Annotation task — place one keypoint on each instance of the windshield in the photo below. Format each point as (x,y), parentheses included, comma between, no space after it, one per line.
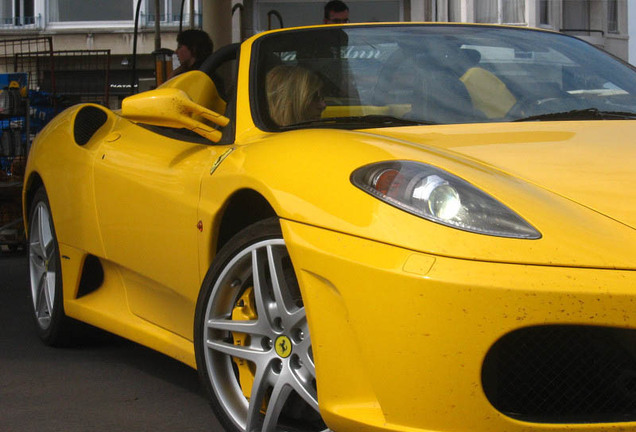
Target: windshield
(388,75)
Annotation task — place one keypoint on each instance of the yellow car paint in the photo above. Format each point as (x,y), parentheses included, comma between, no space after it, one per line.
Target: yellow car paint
(392,333)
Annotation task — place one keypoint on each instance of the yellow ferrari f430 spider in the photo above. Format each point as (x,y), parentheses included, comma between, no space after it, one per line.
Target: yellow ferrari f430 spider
(382,227)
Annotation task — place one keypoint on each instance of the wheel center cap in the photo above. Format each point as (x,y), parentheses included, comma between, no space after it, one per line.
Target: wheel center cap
(283,346)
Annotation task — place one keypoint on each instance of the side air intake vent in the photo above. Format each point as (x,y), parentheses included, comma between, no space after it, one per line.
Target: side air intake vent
(92,276)
(89,119)
(563,374)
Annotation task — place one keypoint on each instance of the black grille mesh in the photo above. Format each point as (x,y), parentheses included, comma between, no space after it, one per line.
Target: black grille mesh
(563,374)
(89,119)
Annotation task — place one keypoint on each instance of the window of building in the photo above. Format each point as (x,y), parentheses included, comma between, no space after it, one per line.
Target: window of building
(576,15)
(303,12)
(170,10)
(94,10)
(69,12)
(16,12)
(544,12)
(612,16)
(500,11)
(454,11)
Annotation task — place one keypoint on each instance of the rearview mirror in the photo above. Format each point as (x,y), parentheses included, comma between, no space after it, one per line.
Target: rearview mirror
(172,107)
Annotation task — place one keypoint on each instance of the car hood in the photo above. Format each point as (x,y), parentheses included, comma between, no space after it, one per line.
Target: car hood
(590,163)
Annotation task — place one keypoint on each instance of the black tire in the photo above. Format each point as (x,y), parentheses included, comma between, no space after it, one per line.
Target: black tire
(252,332)
(53,326)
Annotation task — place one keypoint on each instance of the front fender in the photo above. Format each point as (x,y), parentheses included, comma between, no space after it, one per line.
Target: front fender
(65,168)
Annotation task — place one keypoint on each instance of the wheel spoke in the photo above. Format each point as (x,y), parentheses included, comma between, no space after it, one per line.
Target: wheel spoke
(277,281)
(230,349)
(295,319)
(49,253)
(248,327)
(44,233)
(260,284)
(308,362)
(305,390)
(290,314)
(37,247)
(42,309)
(258,397)
(49,290)
(38,274)
(304,352)
(277,400)
(37,252)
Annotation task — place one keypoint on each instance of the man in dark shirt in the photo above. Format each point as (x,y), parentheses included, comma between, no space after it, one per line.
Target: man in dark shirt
(336,12)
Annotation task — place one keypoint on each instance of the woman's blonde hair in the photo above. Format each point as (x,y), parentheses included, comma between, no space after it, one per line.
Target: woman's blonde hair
(290,93)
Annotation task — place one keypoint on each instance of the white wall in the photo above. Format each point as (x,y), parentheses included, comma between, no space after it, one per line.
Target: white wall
(631,14)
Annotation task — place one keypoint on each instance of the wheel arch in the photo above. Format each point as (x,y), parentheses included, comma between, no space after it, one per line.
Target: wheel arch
(244,208)
(31,186)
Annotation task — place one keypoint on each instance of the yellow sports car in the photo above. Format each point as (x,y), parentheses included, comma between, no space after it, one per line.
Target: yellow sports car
(382,227)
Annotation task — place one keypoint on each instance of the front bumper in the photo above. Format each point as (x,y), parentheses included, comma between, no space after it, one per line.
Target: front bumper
(399,338)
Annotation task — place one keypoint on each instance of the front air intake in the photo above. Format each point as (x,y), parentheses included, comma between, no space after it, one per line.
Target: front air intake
(563,374)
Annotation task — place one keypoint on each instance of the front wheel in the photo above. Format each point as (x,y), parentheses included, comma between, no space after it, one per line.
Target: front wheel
(251,337)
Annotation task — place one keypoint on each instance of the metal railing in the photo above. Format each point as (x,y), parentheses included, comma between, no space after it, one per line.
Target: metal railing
(15,56)
(34,22)
(79,74)
(566,30)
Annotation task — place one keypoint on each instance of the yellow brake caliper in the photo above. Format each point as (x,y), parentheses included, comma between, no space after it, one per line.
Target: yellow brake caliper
(244,310)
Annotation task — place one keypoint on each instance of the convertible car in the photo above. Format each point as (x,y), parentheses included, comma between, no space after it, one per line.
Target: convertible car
(374,227)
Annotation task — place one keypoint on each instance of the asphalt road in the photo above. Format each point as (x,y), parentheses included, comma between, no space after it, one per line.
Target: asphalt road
(104,384)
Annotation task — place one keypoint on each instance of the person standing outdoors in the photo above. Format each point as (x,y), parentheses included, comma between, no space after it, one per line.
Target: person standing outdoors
(193,47)
(336,12)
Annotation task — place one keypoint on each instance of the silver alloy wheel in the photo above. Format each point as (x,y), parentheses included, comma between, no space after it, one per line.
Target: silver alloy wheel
(278,347)
(42,265)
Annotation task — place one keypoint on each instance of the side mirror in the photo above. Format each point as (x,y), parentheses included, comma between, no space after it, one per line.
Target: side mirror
(172,107)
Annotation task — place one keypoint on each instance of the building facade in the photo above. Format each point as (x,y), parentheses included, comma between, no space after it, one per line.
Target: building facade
(601,22)
(99,26)
(109,25)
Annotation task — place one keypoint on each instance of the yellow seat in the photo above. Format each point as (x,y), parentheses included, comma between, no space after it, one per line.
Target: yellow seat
(487,92)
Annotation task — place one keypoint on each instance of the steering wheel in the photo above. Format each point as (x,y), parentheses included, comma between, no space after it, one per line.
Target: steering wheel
(528,107)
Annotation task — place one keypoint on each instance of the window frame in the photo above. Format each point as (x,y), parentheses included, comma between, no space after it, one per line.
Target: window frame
(500,12)
(17,18)
(144,15)
(613,24)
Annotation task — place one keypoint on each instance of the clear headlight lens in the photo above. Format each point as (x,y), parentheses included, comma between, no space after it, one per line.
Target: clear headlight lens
(441,197)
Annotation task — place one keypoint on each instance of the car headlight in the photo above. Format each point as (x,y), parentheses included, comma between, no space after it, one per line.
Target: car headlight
(441,197)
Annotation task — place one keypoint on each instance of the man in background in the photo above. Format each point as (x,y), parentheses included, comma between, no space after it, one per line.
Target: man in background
(336,12)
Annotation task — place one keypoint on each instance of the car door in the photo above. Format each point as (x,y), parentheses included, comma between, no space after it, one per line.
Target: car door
(147,190)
